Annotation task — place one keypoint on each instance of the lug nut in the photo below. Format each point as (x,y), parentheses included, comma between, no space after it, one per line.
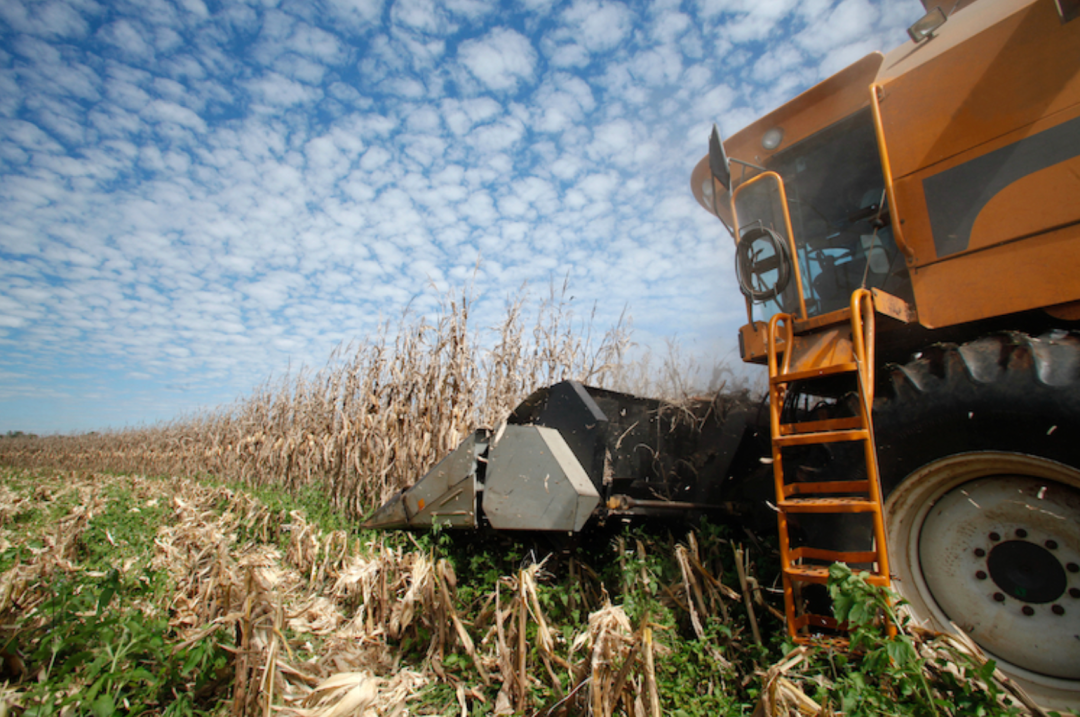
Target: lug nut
(981,575)
(1051,544)
(1072,567)
(980,553)
(1074,593)
(1021,533)
(1058,610)
(995,537)
(1000,597)
(1028,610)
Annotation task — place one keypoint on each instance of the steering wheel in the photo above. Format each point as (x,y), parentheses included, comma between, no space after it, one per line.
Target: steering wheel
(760,251)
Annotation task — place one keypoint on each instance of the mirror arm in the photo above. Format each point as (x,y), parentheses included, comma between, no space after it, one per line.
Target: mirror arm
(748,164)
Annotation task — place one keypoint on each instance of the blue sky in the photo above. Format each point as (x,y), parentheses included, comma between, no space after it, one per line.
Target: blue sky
(197,195)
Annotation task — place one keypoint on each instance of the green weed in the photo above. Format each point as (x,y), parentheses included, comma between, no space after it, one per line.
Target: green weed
(92,650)
(887,675)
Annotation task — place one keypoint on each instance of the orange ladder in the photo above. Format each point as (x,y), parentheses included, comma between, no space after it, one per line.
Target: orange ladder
(833,497)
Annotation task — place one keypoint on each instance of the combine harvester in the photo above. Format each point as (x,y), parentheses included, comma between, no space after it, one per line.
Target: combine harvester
(907,239)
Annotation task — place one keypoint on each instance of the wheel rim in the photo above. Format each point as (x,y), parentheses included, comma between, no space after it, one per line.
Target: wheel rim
(989,542)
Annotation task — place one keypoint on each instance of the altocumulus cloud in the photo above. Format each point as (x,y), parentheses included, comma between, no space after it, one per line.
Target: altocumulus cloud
(200,195)
(501,59)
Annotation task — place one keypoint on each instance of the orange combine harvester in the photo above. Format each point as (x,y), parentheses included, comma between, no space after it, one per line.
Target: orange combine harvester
(907,239)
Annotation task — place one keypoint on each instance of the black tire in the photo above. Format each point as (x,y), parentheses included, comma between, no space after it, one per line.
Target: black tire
(1010,392)
(979,451)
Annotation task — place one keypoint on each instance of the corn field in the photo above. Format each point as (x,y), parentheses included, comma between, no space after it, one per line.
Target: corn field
(378,415)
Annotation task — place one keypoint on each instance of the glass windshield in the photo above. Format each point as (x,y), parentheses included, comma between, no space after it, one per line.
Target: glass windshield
(835,192)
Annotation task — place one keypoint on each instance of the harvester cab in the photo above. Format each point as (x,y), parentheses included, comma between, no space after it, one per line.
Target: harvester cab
(814,224)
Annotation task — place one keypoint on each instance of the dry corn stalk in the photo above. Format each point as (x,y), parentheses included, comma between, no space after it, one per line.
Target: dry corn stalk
(691,570)
(611,642)
(376,417)
(444,578)
(951,646)
(782,698)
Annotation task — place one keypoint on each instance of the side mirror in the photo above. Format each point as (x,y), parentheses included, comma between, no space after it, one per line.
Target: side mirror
(924,28)
(718,161)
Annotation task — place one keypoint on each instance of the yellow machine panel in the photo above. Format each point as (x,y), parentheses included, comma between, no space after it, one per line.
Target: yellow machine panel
(981,124)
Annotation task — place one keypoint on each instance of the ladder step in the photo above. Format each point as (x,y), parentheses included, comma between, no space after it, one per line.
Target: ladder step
(832,556)
(828,505)
(803,439)
(834,486)
(833,642)
(809,374)
(808,619)
(829,424)
(820,574)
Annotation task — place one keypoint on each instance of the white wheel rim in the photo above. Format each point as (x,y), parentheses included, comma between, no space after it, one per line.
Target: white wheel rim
(945,514)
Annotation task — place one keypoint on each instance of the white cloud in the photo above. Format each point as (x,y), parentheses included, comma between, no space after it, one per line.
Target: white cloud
(748,20)
(61,18)
(130,37)
(538,7)
(315,43)
(462,115)
(498,136)
(585,28)
(501,59)
(847,22)
(37,50)
(299,68)
(357,14)
(421,16)
(562,102)
(669,24)
(161,111)
(659,67)
(278,91)
(272,291)
(405,87)
(597,25)
(472,10)
(195,7)
(566,54)
(28,136)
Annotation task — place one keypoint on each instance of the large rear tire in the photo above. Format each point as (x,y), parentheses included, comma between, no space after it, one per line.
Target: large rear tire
(979,453)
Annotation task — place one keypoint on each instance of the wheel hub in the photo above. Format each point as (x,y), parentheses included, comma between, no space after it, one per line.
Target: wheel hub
(1026,571)
(999,558)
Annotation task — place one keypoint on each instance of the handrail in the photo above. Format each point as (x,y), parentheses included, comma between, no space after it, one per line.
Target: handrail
(777,391)
(787,226)
(862,339)
(789,331)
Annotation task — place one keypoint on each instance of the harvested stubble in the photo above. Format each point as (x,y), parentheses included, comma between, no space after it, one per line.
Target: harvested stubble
(317,629)
(318,626)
